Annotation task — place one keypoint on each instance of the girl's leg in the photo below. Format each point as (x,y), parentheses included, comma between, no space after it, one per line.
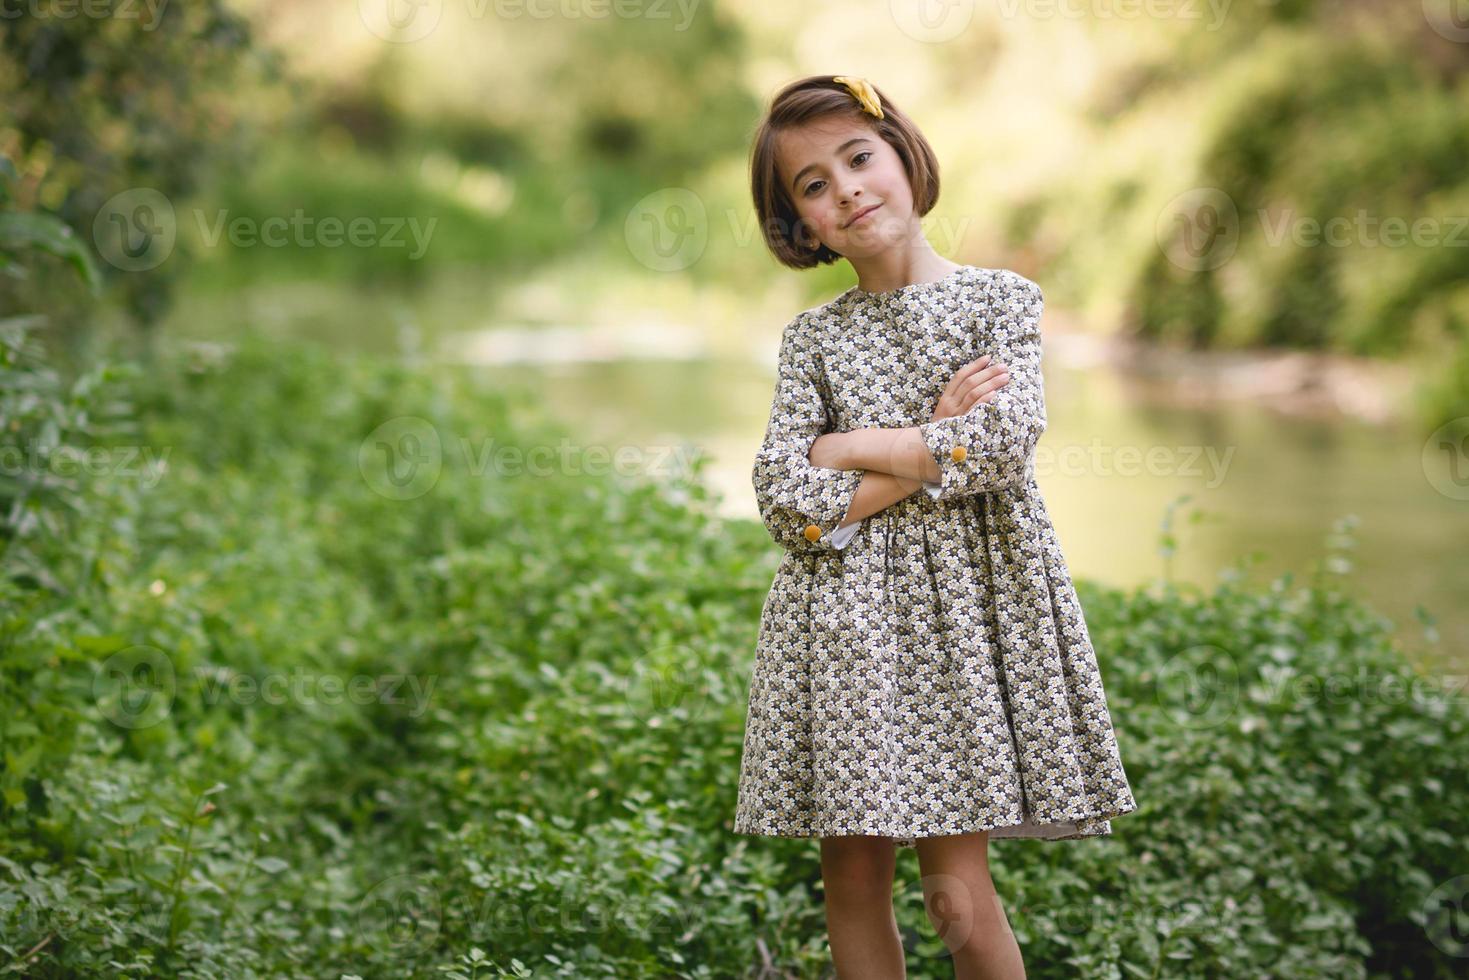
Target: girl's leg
(964,909)
(857,877)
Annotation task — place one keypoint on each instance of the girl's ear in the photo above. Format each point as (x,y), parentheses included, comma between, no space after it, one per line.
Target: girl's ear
(802,240)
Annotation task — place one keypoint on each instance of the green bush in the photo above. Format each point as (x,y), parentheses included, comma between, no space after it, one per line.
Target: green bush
(409,225)
(540,768)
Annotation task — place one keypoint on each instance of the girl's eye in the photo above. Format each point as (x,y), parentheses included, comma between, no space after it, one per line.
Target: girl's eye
(816,183)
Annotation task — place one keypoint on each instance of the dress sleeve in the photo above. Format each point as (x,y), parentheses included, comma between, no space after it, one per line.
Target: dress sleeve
(799,503)
(991,446)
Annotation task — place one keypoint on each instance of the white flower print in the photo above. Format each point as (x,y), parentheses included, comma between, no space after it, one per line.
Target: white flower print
(926,670)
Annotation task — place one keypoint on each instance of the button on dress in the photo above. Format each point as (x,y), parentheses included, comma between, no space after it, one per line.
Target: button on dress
(927,670)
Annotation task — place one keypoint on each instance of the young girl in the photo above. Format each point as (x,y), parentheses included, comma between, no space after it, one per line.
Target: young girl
(923,675)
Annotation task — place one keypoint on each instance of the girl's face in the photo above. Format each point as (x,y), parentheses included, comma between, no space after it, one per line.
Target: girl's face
(834,170)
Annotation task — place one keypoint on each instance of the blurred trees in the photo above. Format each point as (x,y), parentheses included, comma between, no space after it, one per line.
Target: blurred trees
(1291,176)
(528,138)
(134,97)
(551,124)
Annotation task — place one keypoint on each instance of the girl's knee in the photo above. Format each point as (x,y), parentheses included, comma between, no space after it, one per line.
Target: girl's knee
(858,865)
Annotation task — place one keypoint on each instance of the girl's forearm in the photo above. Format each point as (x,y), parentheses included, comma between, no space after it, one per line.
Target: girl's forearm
(876,492)
(898,452)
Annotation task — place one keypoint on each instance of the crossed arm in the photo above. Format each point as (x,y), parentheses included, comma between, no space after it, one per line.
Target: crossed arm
(812,484)
(895,463)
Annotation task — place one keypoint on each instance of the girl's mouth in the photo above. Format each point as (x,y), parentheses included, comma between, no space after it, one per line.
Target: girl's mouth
(862,214)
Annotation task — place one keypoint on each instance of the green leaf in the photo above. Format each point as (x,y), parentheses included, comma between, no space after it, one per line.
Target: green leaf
(18,765)
(100,644)
(26,229)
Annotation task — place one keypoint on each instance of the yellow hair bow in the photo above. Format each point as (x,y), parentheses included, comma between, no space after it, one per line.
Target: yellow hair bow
(862,89)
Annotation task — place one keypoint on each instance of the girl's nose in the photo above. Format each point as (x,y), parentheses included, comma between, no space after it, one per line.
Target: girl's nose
(849,190)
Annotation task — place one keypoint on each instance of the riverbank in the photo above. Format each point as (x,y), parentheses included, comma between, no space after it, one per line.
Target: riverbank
(1302,384)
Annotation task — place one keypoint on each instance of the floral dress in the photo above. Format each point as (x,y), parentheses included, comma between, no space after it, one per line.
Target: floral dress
(927,670)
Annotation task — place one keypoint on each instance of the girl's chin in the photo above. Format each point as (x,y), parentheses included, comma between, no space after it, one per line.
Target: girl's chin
(873,240)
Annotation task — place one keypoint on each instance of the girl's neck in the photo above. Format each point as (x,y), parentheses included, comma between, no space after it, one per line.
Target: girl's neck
(896,268)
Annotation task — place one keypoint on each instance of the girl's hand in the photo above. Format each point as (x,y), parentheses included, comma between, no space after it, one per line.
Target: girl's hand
(973,383)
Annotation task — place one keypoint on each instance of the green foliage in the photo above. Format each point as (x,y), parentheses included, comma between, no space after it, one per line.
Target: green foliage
(23,232)
(419,223)
(516,160)
(538,778)
(1335,151)
(48,424)
(103,98)
(1321,127)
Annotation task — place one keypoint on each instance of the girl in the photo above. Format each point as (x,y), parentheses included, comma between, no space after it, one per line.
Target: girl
(923,675)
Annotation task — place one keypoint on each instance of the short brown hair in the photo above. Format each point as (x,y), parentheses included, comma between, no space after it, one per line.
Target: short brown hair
(799,103)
